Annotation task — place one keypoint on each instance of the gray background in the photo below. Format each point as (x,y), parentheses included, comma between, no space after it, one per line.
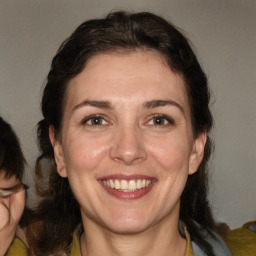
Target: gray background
(224,36)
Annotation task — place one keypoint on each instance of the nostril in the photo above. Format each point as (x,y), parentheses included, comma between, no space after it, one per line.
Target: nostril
(128,156)
(127,146)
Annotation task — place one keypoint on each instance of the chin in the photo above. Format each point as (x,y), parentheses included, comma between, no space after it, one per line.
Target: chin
(127,229)
(127,224)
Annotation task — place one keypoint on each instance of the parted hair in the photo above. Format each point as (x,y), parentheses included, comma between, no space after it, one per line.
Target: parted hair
(58,214)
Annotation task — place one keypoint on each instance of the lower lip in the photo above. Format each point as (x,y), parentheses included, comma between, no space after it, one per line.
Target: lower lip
(128,195)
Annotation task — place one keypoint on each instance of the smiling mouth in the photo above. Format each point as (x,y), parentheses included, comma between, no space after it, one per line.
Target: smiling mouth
(123,185)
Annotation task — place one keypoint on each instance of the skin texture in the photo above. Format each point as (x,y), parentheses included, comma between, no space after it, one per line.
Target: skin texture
(128,142)
(11,209)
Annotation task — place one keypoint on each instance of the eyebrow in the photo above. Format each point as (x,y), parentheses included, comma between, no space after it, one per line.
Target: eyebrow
(94,103)
(162,103)
(149,104)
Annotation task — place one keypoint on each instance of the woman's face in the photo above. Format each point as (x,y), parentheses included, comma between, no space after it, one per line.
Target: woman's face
(127,145)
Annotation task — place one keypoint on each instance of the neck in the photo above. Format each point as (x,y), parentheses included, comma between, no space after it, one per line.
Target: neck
(162,239)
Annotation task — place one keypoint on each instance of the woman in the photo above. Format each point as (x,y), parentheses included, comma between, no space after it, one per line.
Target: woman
(126,121)
(12,194)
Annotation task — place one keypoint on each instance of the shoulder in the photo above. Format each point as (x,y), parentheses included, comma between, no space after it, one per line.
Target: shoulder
(241,241)
(17,248)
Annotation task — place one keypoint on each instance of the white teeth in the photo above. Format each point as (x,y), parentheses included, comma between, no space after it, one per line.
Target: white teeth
(132,185)
(112,184)
(124,184)
(117,184)
(127,185)
(139,186)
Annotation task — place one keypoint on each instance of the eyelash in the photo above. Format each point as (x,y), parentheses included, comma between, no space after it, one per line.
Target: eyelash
(99,117)
(167,120)
(163,118)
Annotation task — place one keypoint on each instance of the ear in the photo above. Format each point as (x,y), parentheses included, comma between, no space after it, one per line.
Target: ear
(58,152)
(197,153)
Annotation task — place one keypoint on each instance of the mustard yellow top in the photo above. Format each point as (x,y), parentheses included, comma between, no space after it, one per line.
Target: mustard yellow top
(18,248)
(241,242)
(189,251)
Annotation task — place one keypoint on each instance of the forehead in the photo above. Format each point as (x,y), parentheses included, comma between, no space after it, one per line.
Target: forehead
(7,182)
(140,73)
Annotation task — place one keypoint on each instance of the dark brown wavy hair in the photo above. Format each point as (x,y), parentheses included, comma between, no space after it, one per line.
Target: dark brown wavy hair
(12,161)
(58,213)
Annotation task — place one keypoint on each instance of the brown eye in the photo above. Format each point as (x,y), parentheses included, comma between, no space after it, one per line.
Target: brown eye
(161,120)
(94,121)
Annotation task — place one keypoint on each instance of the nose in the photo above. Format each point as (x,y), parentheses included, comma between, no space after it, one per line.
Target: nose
(128,146)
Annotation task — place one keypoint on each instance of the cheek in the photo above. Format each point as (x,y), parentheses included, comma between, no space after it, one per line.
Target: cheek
(172,152)
(83,154)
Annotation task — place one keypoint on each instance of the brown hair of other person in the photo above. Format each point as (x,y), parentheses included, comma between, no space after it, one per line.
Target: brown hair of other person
(12,161)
